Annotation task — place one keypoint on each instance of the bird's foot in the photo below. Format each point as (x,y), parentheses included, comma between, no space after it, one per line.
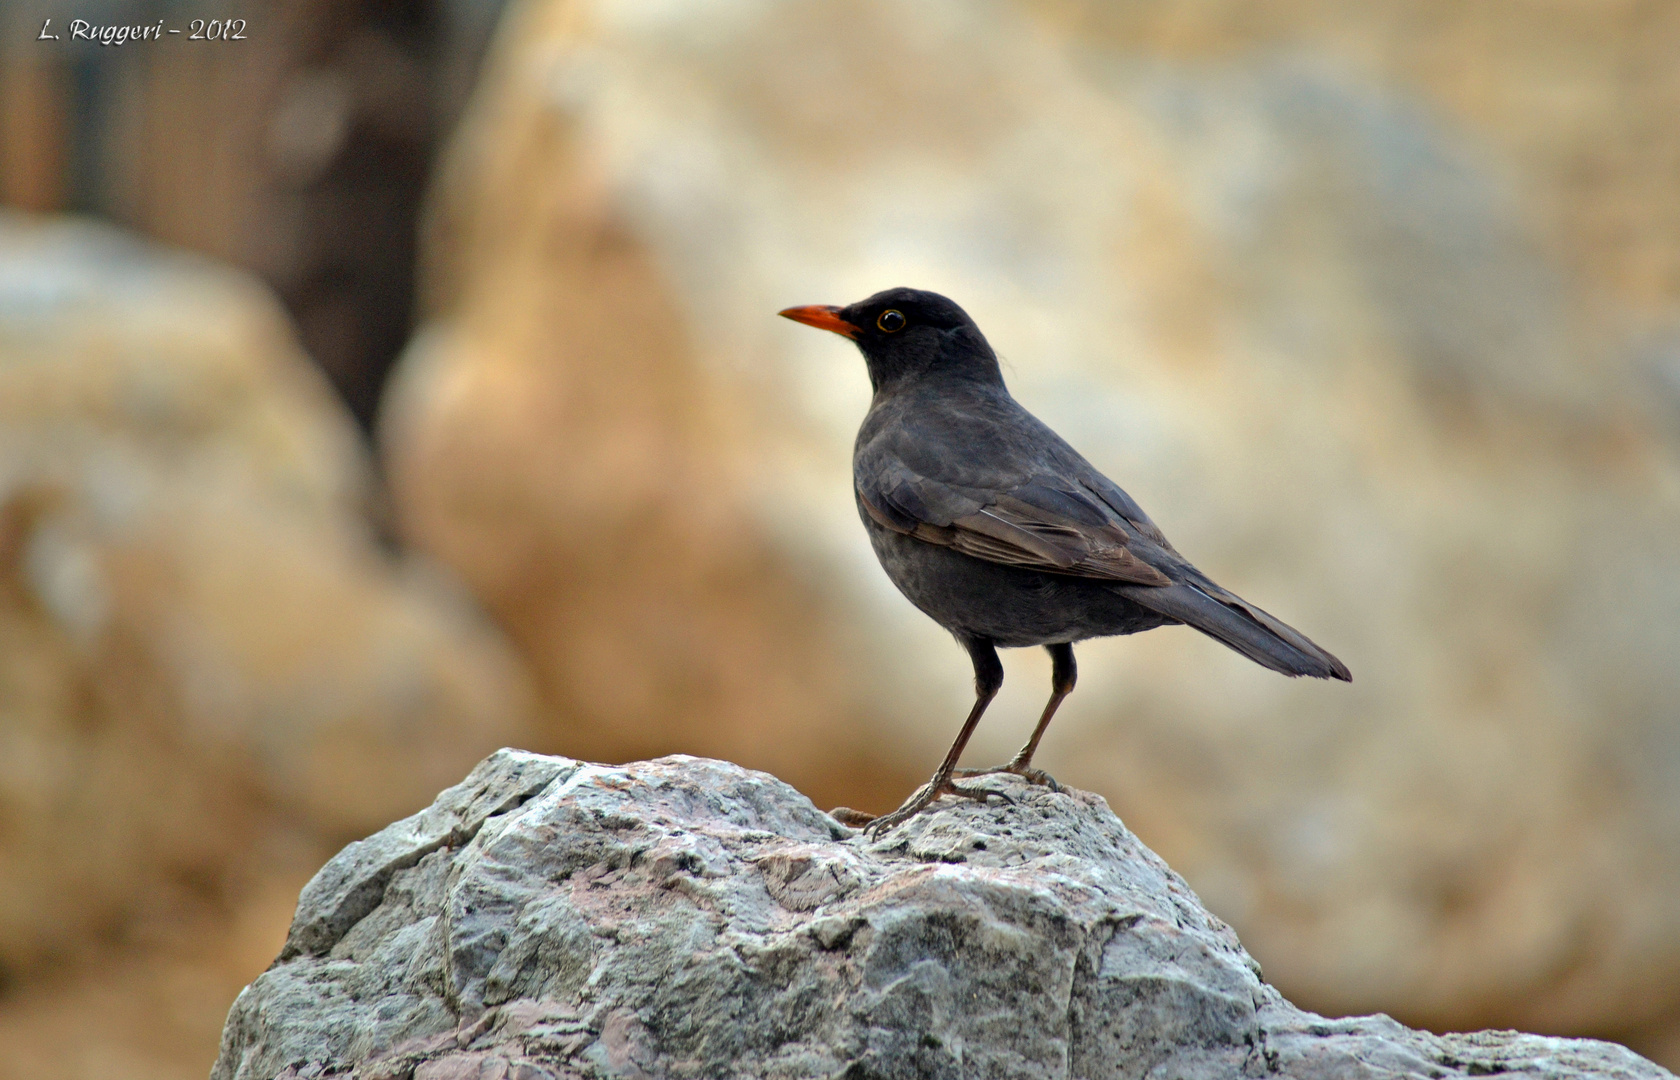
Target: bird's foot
(855,819)
(921,800)
(1025,772)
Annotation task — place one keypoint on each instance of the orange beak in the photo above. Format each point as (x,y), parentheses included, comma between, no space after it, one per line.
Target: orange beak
(821,316)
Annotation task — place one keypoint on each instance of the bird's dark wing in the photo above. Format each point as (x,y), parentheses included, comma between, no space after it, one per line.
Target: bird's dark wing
(1122,504)
(988,479)
(1041,523)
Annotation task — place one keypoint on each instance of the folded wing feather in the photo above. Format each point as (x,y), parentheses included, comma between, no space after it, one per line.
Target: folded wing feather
(1014,528)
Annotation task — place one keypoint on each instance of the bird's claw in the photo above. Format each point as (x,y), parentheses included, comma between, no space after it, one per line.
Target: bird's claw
(1031,775)
(977,794)
(922,799)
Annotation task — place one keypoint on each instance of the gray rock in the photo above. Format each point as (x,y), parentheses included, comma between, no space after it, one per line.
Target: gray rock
(548,918)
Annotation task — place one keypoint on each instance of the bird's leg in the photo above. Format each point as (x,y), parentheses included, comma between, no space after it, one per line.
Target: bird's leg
(1063,675)
(988,678)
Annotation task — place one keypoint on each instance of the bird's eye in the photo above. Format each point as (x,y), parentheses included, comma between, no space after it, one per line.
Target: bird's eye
(891,320)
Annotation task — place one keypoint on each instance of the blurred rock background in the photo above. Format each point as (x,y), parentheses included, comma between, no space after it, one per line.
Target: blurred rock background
(1373,306)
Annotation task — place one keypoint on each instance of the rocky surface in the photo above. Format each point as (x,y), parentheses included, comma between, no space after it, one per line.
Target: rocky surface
(1298,313)
(547,918)
(205,653)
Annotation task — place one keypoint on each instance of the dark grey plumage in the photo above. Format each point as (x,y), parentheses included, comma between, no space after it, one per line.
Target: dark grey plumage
(1000,531)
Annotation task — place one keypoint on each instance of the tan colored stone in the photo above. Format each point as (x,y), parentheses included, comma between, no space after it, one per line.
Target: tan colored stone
(1575,99)
(204,647)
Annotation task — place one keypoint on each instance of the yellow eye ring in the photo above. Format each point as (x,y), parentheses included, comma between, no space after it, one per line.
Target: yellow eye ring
(891,321)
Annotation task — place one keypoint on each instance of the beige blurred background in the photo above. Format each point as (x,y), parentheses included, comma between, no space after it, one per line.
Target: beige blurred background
(402,381)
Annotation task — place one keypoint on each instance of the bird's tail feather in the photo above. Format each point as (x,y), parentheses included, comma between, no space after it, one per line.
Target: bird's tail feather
(1228,618)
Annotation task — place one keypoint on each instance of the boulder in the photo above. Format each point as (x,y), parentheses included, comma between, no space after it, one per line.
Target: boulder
(1296,313)
(203,645)
(548,918)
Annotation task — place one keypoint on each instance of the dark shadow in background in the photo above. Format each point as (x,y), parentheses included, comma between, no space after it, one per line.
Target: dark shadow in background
(300,152)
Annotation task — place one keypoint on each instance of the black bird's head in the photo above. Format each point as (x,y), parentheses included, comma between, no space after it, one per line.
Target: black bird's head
(907,335)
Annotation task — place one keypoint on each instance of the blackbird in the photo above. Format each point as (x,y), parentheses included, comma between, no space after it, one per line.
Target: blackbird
(1002,533)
